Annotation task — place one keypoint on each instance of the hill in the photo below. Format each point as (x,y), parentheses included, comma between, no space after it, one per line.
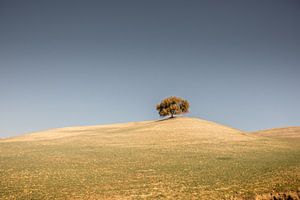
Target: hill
(174,129)
(292,133)
(180,158)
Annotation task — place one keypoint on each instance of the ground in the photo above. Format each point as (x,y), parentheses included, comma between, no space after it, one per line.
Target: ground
(180,158)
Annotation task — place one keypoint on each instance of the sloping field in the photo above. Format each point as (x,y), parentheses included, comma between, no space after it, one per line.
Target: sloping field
(180,158)
(292,133)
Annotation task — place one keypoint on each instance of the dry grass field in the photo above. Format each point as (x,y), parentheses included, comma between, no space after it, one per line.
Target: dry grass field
(288,133)
(180,158)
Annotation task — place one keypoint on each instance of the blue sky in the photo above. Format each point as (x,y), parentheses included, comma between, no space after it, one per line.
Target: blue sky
(70,63)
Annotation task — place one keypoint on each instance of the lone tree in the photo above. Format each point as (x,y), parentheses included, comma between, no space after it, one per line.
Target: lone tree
(172,106)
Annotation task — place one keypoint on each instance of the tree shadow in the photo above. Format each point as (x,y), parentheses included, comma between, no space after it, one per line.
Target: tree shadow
(165,119)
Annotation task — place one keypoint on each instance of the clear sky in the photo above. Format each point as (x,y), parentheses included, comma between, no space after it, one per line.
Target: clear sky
(70,63)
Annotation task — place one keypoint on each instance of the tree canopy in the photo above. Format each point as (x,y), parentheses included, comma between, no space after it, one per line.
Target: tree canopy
(172,106)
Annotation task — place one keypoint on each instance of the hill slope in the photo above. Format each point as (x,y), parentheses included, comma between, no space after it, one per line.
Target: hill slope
(179,158)
(170,130)
(281,133)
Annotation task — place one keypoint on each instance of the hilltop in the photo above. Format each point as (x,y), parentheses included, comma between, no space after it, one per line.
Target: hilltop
(176,128)
(180,158)
(281,133)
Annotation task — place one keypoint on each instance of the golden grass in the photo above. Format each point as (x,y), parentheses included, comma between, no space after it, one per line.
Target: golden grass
(177,127)
(181,158)
(280,133)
